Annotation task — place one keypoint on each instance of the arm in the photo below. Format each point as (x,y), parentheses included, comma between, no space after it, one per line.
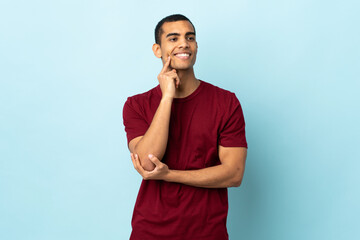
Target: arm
(155,139)
(228,174)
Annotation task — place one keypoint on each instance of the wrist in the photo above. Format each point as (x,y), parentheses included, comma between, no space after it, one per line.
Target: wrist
(165,98)
(167,176)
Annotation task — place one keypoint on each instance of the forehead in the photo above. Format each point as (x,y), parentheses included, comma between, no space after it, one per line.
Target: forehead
(181,27)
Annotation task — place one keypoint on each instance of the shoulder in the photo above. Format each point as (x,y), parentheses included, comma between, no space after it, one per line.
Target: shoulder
(143,98)
(142,104)
(145,95)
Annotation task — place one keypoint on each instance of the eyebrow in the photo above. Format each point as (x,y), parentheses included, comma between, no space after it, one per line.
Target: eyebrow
(178,34)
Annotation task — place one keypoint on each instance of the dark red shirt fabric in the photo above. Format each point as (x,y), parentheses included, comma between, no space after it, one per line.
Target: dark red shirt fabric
(209,117)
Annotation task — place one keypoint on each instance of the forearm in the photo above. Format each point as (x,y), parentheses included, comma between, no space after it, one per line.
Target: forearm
(220,176)
(155,139)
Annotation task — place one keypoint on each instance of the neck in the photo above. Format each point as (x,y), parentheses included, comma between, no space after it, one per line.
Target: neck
(188,81)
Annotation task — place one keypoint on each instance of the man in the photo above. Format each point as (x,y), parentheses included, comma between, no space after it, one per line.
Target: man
(187,140)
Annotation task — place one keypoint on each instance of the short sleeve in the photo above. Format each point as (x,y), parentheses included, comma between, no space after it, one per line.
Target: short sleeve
(233,132)
(134,121)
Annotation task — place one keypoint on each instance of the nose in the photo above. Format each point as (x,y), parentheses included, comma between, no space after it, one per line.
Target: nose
(183,43)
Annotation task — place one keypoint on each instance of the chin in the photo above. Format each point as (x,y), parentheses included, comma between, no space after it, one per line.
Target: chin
(182,67)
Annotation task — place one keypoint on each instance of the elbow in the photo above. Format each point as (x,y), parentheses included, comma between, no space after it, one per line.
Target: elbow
(237,177)
(234,177)
(147,165)
(236,180)
(235,183)
(145,162)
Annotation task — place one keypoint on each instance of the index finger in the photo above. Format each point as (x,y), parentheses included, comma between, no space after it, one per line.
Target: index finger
(166,65)
(136,162)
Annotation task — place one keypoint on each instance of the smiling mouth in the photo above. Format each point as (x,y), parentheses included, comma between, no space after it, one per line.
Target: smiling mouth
(182,55)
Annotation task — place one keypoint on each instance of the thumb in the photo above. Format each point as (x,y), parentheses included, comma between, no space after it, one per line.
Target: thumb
(154,159)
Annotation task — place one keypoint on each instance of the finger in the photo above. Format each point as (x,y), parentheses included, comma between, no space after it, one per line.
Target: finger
(134,161)
(137,160)
(177,82)
(137,164)
(154,159)
(173,74)
(166,65)
(145,174)
(176,78)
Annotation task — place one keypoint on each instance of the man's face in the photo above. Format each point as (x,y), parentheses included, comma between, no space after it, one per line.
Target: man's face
(178,41)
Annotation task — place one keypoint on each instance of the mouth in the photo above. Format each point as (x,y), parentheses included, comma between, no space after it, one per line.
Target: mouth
(183,55)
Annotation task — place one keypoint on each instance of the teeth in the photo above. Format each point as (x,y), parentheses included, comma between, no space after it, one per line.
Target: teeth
(182,54)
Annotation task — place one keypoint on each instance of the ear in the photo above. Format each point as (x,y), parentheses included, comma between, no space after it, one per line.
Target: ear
(156,49)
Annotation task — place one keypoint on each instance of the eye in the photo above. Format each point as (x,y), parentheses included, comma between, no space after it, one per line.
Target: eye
(191,38)
(173,39)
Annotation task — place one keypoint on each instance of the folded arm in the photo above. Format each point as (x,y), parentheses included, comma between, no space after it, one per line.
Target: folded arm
(228,174)
(155,139)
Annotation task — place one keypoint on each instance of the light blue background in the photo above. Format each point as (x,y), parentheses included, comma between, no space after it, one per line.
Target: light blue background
(67,67)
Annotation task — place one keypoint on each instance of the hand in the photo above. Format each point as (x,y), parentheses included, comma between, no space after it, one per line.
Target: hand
(168,79)
(159,173)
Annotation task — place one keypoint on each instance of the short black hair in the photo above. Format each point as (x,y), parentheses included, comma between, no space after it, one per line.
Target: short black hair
(171,18)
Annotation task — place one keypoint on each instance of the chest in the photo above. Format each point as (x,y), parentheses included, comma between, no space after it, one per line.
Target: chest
(194,122)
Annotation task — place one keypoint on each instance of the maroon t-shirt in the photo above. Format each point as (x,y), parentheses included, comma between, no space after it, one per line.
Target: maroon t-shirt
(209,117)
